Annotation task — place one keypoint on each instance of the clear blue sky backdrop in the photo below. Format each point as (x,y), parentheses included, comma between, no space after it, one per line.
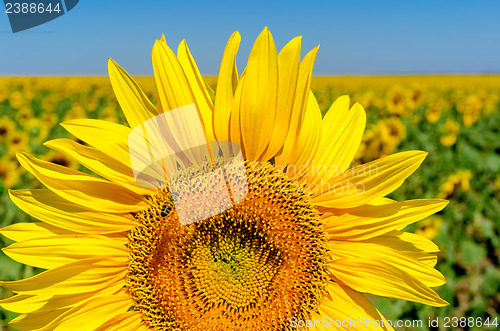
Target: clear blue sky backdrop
(356,37)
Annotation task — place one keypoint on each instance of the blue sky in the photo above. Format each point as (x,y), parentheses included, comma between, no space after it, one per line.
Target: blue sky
(356,37)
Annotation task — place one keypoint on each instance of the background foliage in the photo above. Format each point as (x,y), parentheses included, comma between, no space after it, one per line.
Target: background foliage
(454,118)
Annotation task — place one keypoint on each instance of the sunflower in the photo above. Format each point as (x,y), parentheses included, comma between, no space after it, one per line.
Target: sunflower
(18,141)
(7,126)
(9,174)
(16,99)
(433,113)
(452,130)
(430,227)
(109,113)
(399,101)
(49,103)
(77,111)
(470,108)
(56,157)
(381,139)
(306,241)
(458,181)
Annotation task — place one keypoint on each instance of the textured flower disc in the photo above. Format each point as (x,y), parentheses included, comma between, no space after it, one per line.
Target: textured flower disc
(251,267)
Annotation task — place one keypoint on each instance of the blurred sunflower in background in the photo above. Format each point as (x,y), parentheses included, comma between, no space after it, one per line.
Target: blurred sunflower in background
(112,253)
(18,141)
(430,227)
(459,180)
(451,130)
(7,126)
(471,109)
(433,113)
(8,173)
(399,101)
(381,139)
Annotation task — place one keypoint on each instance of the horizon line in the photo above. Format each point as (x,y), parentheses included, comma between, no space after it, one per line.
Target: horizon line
(423,74)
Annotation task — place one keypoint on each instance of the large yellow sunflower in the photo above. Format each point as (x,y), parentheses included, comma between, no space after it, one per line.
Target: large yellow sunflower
(310,237)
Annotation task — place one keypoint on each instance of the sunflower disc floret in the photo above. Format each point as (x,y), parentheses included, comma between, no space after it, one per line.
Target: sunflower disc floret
(251,267)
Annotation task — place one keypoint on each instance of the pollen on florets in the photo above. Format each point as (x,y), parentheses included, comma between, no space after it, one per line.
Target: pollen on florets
(254,266)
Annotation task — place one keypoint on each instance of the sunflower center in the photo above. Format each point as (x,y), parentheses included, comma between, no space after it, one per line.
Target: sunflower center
(254,266)
(232,261)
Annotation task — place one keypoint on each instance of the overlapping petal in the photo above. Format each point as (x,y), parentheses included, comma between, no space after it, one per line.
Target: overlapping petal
(226,87)
(288,74)
(306,143)
(24,303)
(174,90)
(107,137)
(61,213)
(82,276)
(83,189)
(346,309)
(378,277)
(368,221)
(77,318)
(135,105)
(342,129)
(198,87)
(364,183)
(55,251)
(300,104)
(129,321)
(32,230)
(37,320)
(99,163)
(371,252)
(257,106)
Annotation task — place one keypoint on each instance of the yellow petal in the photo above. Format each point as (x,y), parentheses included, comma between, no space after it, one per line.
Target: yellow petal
(342,131)
(82,276)
(368,221)
(366,182)
(129,321)
(198,87)
(101,309)
(381,278)
(288,73)
(58,212)
(307,141)
(135,105)
(22,303)
(346,309)
(83,189)
(257,108)
(226,87)
(402,240)
(32,230)
(235,118)
(300,104)
(99,163)
(366,251)
(54,308)
(174,91)
(412,245)
(52,252)
(35,321)
(173,87)
(109,138)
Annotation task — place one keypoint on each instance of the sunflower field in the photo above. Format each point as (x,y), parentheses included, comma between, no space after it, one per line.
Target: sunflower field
(456,119)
